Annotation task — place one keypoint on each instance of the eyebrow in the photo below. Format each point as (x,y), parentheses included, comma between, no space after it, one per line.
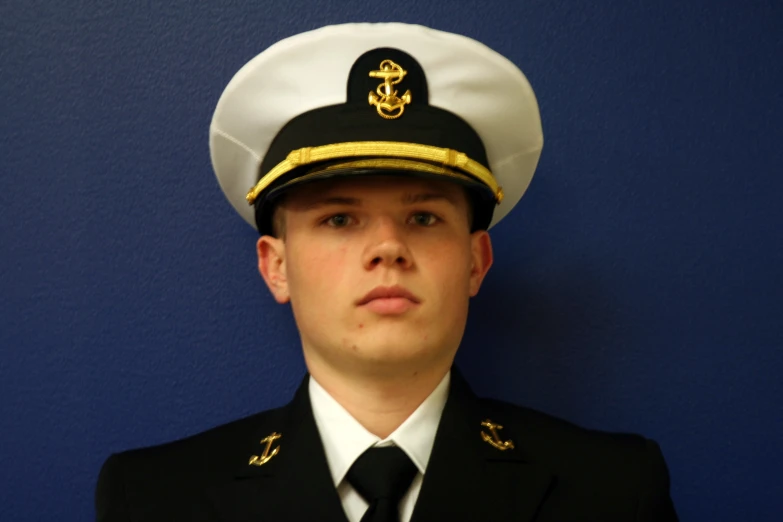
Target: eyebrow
(428,196)
(333,200)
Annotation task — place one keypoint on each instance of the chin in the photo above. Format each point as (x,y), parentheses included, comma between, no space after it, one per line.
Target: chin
(393,346)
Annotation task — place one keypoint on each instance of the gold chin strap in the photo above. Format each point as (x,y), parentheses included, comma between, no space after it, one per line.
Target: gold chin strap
(449,160)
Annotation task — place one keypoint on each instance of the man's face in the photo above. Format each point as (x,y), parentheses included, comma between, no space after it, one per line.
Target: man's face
(378,270)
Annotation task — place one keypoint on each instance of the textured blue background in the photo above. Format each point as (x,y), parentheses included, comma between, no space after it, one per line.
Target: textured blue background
(637,286)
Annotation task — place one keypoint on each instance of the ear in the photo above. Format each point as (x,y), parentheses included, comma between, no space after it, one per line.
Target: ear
(481,252)
(271,266)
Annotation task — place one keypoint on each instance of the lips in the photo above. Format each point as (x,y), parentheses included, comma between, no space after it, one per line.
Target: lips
(388,292)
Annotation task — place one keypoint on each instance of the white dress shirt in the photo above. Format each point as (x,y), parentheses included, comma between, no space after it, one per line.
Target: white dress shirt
(344,439)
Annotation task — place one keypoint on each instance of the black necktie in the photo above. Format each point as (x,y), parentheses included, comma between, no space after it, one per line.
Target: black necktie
(382,476)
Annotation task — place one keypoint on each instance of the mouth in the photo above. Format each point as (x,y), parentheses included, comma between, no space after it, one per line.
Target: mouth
(389,300)
(388,292)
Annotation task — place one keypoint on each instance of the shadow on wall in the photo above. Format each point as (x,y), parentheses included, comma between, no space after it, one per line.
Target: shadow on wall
(556,339)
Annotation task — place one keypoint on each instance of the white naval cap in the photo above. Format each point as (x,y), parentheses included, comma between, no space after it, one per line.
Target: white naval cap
(357,99)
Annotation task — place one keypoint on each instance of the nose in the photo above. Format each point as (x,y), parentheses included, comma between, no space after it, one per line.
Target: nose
(387,247)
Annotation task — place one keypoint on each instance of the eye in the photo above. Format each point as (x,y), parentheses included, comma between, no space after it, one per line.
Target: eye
(424,219)
(338,220)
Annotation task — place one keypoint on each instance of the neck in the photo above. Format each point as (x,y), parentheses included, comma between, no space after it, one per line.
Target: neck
(380,403)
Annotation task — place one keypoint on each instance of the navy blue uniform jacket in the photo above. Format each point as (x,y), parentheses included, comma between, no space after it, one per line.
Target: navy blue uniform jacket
(557,472)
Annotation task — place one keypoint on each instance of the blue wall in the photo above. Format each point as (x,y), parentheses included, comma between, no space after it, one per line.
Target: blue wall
(637,286)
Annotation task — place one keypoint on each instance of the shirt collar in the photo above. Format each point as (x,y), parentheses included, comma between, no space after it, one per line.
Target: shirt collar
(344,439)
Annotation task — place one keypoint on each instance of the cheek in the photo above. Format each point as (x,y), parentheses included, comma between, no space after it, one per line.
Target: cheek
(448,267)
(314,270)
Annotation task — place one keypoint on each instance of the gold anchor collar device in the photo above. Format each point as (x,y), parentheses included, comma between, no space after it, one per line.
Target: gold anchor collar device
(493,438)
(269,452)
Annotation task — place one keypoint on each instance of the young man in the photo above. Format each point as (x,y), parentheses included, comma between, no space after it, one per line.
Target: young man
(373,188)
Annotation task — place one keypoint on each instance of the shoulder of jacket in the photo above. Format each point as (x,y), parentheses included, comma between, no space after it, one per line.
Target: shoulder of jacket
(205,450)
(545,430)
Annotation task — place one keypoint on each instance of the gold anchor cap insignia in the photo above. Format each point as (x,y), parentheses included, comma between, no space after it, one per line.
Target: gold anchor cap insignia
(494,439)
(385,99)
(256,460)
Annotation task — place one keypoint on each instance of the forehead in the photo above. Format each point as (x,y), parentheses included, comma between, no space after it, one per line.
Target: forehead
(403,189)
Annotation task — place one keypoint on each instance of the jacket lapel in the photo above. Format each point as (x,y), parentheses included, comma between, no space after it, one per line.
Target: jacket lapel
(469,479)
(466,479)
(293,485)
